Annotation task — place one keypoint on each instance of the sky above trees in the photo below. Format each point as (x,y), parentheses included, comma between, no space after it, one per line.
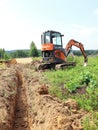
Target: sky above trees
(23,21)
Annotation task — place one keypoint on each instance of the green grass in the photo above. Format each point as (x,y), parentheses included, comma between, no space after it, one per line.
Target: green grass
(36,58)
(65,83)
(90,122)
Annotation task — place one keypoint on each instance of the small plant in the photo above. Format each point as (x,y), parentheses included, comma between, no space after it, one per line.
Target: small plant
(87,78)
(72,85)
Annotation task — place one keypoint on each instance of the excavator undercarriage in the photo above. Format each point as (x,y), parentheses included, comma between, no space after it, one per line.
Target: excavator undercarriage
(43,65)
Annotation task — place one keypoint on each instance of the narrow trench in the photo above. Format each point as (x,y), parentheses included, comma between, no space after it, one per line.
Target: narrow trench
(21,110)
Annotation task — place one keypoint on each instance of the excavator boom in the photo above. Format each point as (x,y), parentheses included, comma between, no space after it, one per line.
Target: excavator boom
(73,42)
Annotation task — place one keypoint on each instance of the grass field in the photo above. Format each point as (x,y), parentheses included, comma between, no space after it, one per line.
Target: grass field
(79,83)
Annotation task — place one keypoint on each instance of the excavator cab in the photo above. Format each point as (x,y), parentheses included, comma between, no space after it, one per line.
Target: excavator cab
(52,37)
(51,42)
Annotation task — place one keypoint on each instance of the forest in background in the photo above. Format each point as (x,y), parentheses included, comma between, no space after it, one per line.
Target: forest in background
(35,53)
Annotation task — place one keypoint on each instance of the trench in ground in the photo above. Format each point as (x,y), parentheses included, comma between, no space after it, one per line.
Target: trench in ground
(21,109)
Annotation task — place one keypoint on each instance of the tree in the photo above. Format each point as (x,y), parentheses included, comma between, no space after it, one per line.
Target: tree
(33,50)
(3,54)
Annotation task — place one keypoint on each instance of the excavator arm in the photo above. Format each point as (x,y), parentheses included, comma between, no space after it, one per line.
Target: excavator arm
(71,43)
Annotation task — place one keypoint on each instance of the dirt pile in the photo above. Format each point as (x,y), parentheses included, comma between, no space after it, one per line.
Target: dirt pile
(47,112)
(8,92)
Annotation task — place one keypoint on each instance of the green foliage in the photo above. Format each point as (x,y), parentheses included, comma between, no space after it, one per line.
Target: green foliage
(84,78)
(72,85)
(74,79)
(33,50)
(88,101)
(39,52)
(19,54)
(37,58)
(88,52)
(87,78)
(70,57)
(6,56)
(3,54)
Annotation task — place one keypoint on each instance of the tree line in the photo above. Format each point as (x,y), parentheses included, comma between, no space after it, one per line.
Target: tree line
(88,52)
(34,52)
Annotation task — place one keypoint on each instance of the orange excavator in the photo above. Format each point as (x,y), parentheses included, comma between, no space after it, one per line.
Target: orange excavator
(53,52)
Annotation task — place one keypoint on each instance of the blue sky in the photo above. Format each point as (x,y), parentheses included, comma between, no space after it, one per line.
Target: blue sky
(23,21)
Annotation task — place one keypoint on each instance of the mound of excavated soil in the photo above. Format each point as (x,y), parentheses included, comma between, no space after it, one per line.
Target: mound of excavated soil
(8,91)
(25,103)
(49,113)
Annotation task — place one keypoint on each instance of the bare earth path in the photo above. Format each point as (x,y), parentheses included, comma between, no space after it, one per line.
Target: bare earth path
(24,60)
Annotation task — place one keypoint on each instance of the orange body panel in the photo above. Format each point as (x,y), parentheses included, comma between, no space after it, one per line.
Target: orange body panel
(59,54)
(47,47)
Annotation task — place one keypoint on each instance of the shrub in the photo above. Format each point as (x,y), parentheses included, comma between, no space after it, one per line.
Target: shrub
(87,78)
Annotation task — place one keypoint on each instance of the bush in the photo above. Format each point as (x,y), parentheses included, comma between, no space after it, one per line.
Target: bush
(87,78)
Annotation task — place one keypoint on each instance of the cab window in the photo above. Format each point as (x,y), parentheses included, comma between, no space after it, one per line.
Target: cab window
(56,39)
(47,39)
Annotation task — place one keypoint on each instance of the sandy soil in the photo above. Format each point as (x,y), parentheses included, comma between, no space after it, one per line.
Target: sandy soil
(25,103)
(24,60)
